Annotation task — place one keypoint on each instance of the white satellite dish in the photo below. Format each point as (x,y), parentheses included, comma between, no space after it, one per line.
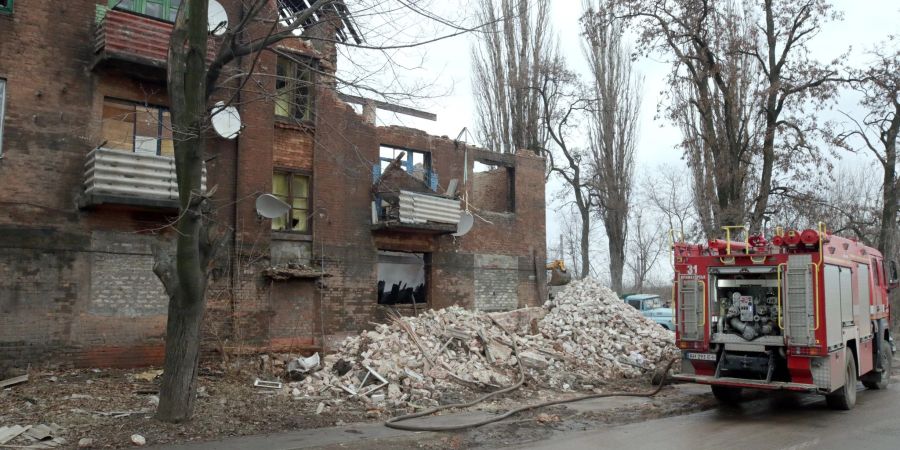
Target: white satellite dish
(226,120)
(466,220)
(217,18)
(270,207)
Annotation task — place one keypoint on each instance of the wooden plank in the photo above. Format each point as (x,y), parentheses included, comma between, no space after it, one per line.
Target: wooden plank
(389,107)
(13,381)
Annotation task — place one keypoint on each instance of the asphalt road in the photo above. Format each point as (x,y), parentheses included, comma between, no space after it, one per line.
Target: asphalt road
(789,421)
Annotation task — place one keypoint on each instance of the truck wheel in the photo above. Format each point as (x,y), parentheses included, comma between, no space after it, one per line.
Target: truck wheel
(727,395)
(845,397)
(880,380)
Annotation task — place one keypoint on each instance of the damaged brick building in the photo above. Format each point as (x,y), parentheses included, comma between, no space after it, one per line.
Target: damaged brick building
(89,188)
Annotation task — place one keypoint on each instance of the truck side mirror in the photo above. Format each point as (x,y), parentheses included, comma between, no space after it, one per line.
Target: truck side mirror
(893,277)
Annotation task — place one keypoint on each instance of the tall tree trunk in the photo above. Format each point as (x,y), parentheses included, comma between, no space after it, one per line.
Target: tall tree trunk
(585,241)
(616,239)
(186,283)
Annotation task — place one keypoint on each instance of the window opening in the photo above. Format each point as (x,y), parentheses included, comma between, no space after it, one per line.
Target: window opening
(161,9)
(6,6)
(137,128)
(293,189)
(293,89)
(493,187)
(415,163)
(401,278)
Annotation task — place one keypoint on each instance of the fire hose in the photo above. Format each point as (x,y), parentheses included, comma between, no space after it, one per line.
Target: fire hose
(394,421)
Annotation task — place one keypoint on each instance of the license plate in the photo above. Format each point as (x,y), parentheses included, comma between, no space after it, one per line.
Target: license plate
(702,356)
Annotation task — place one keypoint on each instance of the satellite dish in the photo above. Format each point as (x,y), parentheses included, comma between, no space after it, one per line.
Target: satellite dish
(217,18)
(466,220)
(270,207)
(226,120)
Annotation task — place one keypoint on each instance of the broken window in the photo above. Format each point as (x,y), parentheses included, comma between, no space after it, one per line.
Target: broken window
(293,189)
(2,110)
(137,128)
(401,278)
(493,187)
(293,88)
(6,6)
(161,9)
(415,163)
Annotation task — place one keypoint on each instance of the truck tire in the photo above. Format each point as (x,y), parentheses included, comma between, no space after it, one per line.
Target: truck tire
(880,380)
(845,397)
(727,395)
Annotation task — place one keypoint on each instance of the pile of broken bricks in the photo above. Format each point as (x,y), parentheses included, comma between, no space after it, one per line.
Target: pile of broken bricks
(584,339)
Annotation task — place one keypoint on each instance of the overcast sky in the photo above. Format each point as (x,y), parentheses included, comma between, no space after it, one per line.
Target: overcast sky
(448,64)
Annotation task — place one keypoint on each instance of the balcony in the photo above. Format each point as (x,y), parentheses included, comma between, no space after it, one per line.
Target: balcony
(415,212)
(131,38)
(117,177)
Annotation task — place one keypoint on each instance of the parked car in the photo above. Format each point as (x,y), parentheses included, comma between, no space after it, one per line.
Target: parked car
(651,306)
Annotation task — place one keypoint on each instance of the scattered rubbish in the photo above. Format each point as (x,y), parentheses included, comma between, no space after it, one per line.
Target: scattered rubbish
(297,368)
(320,408)
(41,432)
(149,375)
(138,440)
(267,384)
(547,418)
(377,398)
(357,390)
(85,443)
(13,381)
(341,367)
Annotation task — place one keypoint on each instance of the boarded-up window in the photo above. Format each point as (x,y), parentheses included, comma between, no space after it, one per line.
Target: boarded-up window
(137,128)
(292,189)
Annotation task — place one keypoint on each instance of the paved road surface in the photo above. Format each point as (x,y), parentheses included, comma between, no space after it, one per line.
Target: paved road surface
(783,422)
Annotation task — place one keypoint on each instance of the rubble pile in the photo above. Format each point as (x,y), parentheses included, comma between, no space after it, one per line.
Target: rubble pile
(586,337)
(590,322)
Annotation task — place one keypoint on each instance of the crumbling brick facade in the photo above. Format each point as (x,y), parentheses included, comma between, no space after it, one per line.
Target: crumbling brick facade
(76,279)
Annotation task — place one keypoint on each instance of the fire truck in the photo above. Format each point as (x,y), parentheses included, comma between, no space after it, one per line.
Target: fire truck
(806,311)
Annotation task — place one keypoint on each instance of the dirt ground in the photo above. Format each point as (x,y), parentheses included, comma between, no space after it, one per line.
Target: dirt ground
(110,405)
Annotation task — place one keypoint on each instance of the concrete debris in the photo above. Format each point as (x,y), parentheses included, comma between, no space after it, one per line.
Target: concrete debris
(85,443)
(584,337)
(138,440)
(149,375)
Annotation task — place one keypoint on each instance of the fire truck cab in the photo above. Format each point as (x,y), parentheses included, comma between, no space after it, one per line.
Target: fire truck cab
(807,311)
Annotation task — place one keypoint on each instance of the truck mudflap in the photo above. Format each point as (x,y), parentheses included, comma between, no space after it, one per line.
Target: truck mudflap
(744,383)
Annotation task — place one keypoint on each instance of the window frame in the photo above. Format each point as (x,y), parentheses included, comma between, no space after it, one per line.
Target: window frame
(290,200)
(140,7)
(2,111)
(159,123)
(8,9)
(292,85)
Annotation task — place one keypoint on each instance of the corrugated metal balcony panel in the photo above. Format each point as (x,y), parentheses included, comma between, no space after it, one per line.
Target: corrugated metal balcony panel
(136,38)
(125,174)
(419,208)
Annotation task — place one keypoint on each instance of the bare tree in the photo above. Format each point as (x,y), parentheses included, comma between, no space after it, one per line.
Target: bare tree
(668,194)
(508,62)
(879,131)
(192,83)
(563,105)
(647,244)
(741,77)
(615,96)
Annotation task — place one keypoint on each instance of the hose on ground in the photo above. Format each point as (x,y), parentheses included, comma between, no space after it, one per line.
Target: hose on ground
(394,421)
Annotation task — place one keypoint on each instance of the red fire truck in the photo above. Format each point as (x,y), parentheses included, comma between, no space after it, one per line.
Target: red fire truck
(807,311)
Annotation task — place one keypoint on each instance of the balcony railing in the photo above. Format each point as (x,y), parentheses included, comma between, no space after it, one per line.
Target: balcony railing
(118,177)
(134,38)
